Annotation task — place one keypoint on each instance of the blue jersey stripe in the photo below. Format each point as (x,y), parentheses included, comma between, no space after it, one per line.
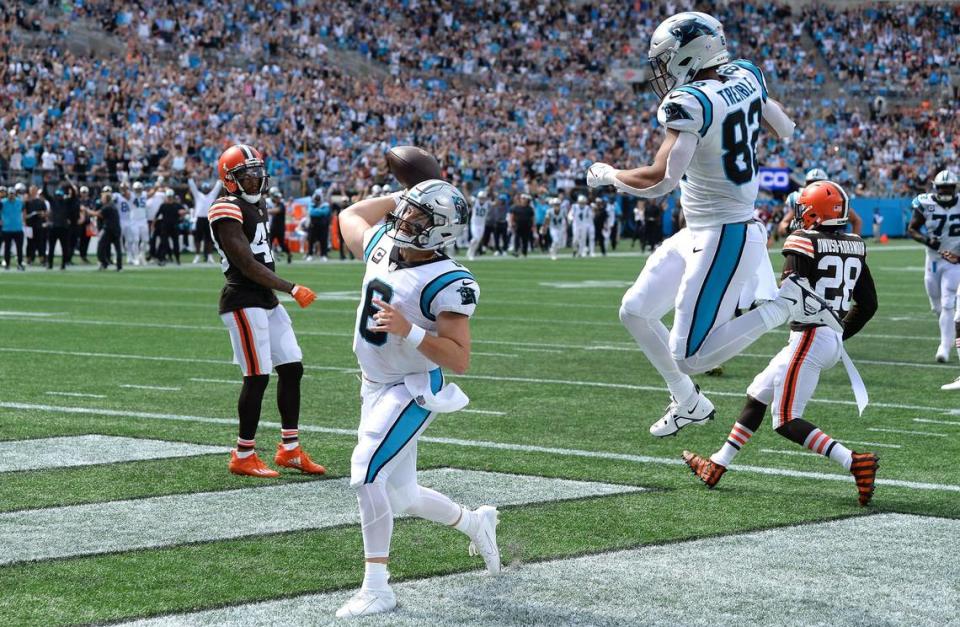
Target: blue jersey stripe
(436,286)
(402,431)
(374,241)
(705,104)
(724,266)
(756,72)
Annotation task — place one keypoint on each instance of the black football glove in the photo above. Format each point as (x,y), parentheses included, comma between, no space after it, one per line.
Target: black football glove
(932,242)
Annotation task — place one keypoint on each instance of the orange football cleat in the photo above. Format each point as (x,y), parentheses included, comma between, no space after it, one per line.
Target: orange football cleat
(298,458)
(708,471)
(251,466)
(864,471)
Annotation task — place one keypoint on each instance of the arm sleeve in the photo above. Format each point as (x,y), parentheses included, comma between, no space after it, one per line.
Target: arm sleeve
(222,210)
(777,118)
(865,304)
(459,296)
(796,262)
(686,109)
(798,244)
(681,153)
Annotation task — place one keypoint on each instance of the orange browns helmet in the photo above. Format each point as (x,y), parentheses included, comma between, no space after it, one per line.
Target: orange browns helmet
(241,170)
(823,203)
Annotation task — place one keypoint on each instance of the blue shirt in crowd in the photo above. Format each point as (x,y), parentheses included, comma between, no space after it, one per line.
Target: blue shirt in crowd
(12,215)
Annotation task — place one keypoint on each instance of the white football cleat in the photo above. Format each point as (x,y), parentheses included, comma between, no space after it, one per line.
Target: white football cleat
(698,413)
(951,386)
(484,542)
(943,355)
(806,306)
(367,602)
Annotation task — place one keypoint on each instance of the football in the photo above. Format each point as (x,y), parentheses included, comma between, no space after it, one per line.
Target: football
(411,165)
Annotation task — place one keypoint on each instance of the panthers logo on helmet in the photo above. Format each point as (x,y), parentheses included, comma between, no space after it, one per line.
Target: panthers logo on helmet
(460,205)
(688,30)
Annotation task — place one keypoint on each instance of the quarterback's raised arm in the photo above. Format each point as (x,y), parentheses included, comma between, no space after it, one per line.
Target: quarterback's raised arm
(357,219)
(652,181)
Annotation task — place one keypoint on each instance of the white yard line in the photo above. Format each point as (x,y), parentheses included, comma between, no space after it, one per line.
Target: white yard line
(483,354)
(564,382)
(955,423)
(877,444)
(484,411)
(84,450)
(900,559)
(227,381)
(32,314)
(160,388)
(160,521)
(76,394)
(785,452)
(501,446)
(905,432)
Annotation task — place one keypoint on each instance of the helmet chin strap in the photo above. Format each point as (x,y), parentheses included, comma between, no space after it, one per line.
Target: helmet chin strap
(251,198)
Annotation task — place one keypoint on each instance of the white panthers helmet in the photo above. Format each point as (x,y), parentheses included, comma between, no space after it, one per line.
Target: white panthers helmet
(20,188)
(683,45)
(137,186)
(945,185)
(581,199)
(482,194)
(429,216)
(814,175)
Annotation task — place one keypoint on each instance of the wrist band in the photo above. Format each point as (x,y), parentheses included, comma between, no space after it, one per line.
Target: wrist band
(416,335)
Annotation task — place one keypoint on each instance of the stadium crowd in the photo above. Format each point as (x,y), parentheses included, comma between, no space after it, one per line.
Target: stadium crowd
(514,96)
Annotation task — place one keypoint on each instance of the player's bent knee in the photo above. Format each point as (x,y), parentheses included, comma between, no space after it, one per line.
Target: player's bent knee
(403,497)
(290,371)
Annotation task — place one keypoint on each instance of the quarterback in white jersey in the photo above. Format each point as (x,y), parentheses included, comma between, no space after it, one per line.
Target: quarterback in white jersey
(712,111)
(939,212)
(413,319)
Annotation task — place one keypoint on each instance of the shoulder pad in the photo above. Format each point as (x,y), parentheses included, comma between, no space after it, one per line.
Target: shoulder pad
(757,74)
(799,243)
(686,108)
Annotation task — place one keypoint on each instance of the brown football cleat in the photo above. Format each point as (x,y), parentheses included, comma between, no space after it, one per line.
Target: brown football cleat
(864,471)
(299,460)
(708,471)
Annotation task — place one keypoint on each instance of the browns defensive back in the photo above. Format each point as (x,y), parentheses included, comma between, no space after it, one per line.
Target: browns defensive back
(835,263)
(260,329)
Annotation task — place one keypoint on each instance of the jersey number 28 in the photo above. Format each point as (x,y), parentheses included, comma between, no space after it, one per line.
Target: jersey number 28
(740,132)
(838,278)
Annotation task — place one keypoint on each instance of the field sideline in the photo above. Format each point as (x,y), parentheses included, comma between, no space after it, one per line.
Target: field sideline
(125,383)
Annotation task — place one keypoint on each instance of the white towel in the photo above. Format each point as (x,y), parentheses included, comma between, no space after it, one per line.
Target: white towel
(450,398)
(859,389)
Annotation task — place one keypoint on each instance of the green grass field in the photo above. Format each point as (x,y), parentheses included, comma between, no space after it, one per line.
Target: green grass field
(565,392)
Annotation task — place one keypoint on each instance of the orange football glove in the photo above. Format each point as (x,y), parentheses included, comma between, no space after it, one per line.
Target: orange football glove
(303,295)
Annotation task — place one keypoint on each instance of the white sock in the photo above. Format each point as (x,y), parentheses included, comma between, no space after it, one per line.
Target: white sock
(947,330)
(435,507)
(467,523)
(375,576)
(289,446)
(653,338)
(245,454)
(842,455)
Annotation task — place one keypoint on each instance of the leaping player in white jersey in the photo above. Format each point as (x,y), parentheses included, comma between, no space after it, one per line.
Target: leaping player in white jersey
(413,319)
(712,110)
(939,212)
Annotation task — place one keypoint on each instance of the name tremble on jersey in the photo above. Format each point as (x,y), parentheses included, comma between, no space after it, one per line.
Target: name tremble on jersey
(737,93)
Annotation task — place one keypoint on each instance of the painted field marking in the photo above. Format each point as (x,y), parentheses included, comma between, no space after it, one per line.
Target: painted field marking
(227,381)
(955,423)
(786,452)
(32,314)
(500,446)
(826,560)
(927,433)
(483,411)
(85,450)
(160,521)
(877,444)
(564,382)
(160,388)
(76,394)
(494,354)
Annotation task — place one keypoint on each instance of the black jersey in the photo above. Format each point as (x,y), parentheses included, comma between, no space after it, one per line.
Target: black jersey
(835,263)
(239,291)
